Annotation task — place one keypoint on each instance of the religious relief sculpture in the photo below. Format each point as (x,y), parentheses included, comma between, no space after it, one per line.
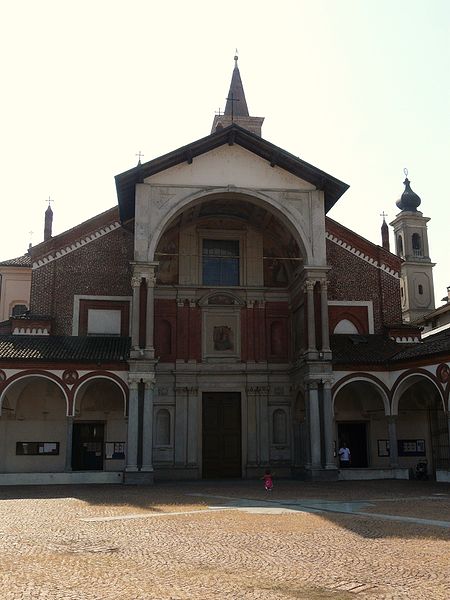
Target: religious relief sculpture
(223,338)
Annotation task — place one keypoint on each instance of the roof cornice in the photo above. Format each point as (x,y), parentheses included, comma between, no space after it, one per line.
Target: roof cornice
(125,182)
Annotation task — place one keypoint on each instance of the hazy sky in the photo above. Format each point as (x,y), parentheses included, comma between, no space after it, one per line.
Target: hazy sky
(358,88)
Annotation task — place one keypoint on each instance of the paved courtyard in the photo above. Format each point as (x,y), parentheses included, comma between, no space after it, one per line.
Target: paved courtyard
(201,540)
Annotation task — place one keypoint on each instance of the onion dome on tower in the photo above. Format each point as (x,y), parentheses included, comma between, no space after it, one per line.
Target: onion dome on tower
(409,200)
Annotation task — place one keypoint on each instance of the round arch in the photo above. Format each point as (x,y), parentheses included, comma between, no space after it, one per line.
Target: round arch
(89,378)
(21,377)
(294,223)
(407,380)
(364,378)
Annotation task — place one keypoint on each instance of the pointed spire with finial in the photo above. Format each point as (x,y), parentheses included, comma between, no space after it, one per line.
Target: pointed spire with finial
(236,103)
(384,233)
(409,200)
(48,222)
(236,109)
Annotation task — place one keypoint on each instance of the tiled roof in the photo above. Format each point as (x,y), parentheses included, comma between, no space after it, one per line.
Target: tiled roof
(379,349)
(20,261)
(366,349)
(64,348)
(432,345)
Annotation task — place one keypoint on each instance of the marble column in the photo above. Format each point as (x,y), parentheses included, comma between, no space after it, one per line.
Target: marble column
(309,287)
(69,443)
(324,316)
(264,439)
(328,420)
(393,447)
(136,285)
(147,427)
(448,428)
(181,422)
(314,424)
(252,429)
(150,312)
(133,427)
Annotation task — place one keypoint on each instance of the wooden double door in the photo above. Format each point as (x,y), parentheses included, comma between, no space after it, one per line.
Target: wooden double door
(222,435)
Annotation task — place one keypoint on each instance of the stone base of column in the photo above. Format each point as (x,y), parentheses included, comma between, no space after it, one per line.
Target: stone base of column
(138,478)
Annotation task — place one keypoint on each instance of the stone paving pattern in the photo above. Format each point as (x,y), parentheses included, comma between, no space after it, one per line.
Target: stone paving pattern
(47,550)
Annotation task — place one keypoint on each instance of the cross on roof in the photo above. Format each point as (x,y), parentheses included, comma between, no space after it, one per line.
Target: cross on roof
(383,214)
(139,155)
(49,200)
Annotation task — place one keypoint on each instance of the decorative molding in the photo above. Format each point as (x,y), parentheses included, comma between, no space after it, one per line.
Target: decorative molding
(70,376)
(362,256)
(406,339)
(78,244)
(30,331)
(258,389)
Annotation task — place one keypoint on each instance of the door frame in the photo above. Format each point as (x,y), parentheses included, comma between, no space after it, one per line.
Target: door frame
(85,422)
(243,395)
(367,432)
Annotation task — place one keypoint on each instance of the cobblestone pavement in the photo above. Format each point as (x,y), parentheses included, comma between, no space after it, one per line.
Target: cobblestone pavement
(217,541)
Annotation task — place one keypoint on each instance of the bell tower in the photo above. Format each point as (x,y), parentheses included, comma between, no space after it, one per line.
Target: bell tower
(411,245)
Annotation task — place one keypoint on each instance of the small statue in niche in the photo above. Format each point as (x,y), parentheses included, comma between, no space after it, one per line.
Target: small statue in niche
(223,338)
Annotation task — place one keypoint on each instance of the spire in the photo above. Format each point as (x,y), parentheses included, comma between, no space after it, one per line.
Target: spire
(236,103)
(48,223)
(384,233)
(409,200)
(236,109)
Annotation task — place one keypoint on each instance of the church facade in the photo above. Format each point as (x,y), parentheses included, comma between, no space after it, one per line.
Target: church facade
(217,322)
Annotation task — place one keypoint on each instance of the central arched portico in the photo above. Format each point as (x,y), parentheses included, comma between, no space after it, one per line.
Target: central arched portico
(241,330)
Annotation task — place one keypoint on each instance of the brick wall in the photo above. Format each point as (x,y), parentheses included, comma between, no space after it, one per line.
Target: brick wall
(101,267)
(352,278)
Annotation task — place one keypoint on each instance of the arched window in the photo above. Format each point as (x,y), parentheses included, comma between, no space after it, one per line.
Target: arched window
(416,244)
(346,326)
(19,309)
(163,427)
(279,428)
(400,246)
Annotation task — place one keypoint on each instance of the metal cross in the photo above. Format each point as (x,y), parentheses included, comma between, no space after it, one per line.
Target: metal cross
(383,214)
(232,100)
(219,112)
(139,155)
(49,200)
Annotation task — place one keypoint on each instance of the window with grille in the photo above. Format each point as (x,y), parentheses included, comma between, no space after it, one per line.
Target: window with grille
(220,261)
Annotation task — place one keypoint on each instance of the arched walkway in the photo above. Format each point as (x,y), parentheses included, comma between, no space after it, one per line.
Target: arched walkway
(361,411)
(33,425)
(422,423)
(99,426)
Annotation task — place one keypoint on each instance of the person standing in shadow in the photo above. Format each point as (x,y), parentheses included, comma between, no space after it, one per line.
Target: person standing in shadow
(345,457)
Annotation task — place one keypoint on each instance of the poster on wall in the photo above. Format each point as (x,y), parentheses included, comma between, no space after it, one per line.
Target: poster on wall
(411,447)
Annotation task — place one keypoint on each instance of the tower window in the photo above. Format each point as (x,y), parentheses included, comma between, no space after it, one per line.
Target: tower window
(220,262)
(416,244)
(400,246)
(420,289)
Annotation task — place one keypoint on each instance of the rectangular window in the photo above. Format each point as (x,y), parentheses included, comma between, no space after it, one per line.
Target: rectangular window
(220,262)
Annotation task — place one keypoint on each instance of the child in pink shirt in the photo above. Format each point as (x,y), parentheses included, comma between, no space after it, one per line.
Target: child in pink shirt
(268,481)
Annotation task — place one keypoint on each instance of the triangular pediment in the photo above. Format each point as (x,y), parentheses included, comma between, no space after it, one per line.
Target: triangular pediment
(230,166)
(230,136)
